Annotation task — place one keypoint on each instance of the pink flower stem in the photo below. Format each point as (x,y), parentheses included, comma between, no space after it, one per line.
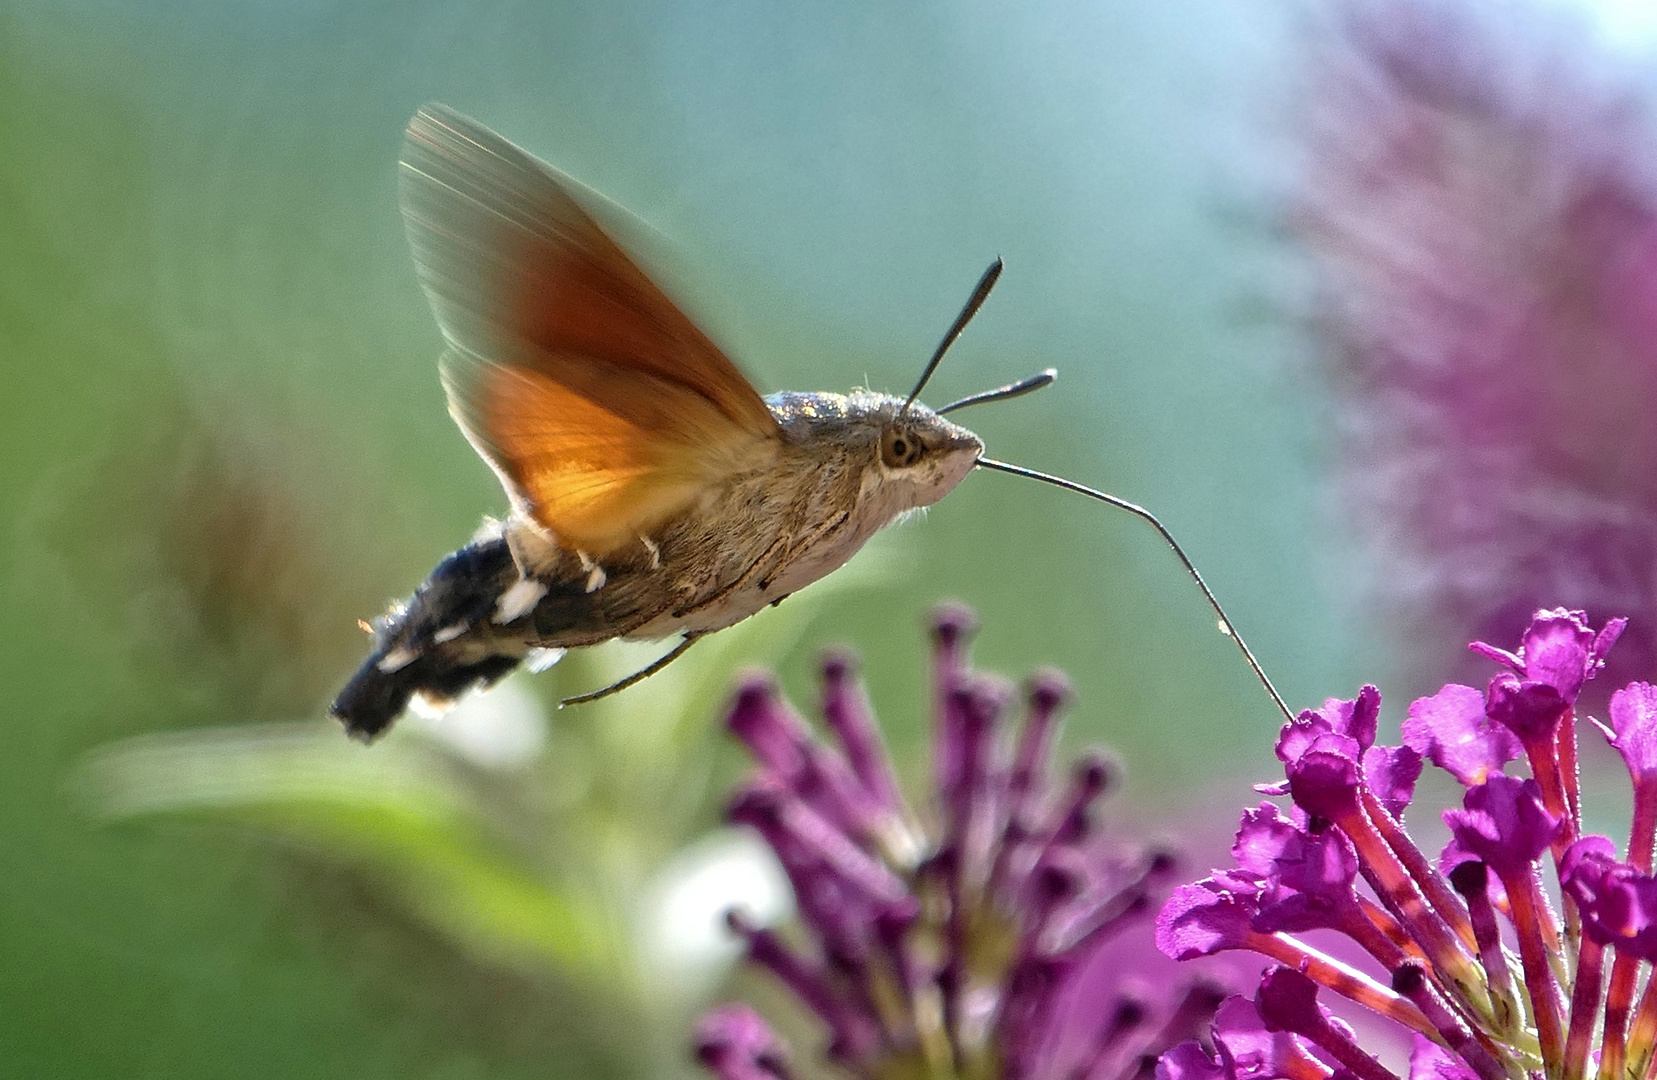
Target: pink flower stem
(1569,774)
(1643,834)
(1565,775)
(1544,765)
(1355,1060)
(1625,970)
(1397,889)
(1473,883)
(1585,1001)
(1525,898)
(1372,939)
(1412,981)
(1346,981)
(1426,875)
(1638,1057)
(1395,932)
(1302,1066)
(1625,973)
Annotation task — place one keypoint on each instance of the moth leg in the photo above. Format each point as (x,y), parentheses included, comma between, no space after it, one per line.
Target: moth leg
(534,551)
(741,581)
(655,552)
(637,676)
(821,532)
(596,577)
(535,556)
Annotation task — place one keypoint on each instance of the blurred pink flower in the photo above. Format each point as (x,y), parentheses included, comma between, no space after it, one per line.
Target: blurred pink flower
(988,933)
(1481,211)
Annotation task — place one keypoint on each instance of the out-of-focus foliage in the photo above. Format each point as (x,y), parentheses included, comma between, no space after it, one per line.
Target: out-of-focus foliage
(538,849)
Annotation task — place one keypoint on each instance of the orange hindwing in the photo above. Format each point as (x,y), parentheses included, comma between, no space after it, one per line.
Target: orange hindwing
(602,407)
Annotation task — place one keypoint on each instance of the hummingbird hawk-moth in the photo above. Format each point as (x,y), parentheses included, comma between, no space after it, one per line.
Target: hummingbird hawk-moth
(653,492)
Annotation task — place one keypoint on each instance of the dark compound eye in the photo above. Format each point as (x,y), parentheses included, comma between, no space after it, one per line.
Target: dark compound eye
(900,451)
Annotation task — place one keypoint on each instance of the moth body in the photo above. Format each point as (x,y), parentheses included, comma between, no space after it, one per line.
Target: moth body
(846,465)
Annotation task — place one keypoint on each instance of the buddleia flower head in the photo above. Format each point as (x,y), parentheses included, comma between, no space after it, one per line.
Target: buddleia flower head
(953,938)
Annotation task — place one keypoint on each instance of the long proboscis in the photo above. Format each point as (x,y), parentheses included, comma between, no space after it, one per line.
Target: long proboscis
(980,293)
(1226,625)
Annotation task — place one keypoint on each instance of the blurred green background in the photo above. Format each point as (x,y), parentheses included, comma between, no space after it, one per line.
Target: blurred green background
(224,442)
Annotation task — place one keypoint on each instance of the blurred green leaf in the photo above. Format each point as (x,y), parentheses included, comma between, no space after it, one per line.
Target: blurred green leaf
(531,865)
(400,812)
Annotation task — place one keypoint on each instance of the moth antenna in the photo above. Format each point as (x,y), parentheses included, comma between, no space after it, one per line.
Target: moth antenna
(637,676)
(1002,393)
(980,293)
(1138,511)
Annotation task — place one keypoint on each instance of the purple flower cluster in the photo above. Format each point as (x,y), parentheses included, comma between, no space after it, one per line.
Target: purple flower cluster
(1479,205)
(954,944)
(1442,933)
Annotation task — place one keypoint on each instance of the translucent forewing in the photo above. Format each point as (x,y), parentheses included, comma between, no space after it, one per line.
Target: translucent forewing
(602,407)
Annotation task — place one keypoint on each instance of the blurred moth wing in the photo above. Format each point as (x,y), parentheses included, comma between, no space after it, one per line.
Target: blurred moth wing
(604,410)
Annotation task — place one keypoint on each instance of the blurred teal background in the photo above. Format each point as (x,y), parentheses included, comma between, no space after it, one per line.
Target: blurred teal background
(225,442)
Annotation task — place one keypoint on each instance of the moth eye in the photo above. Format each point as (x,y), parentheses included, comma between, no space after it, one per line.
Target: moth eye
(900,451)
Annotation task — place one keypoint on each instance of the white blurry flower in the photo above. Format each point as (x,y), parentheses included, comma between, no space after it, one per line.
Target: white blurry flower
(682,932)
(501,727)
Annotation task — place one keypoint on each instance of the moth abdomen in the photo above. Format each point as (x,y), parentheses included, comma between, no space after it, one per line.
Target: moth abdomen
(476,617)
(420,645)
